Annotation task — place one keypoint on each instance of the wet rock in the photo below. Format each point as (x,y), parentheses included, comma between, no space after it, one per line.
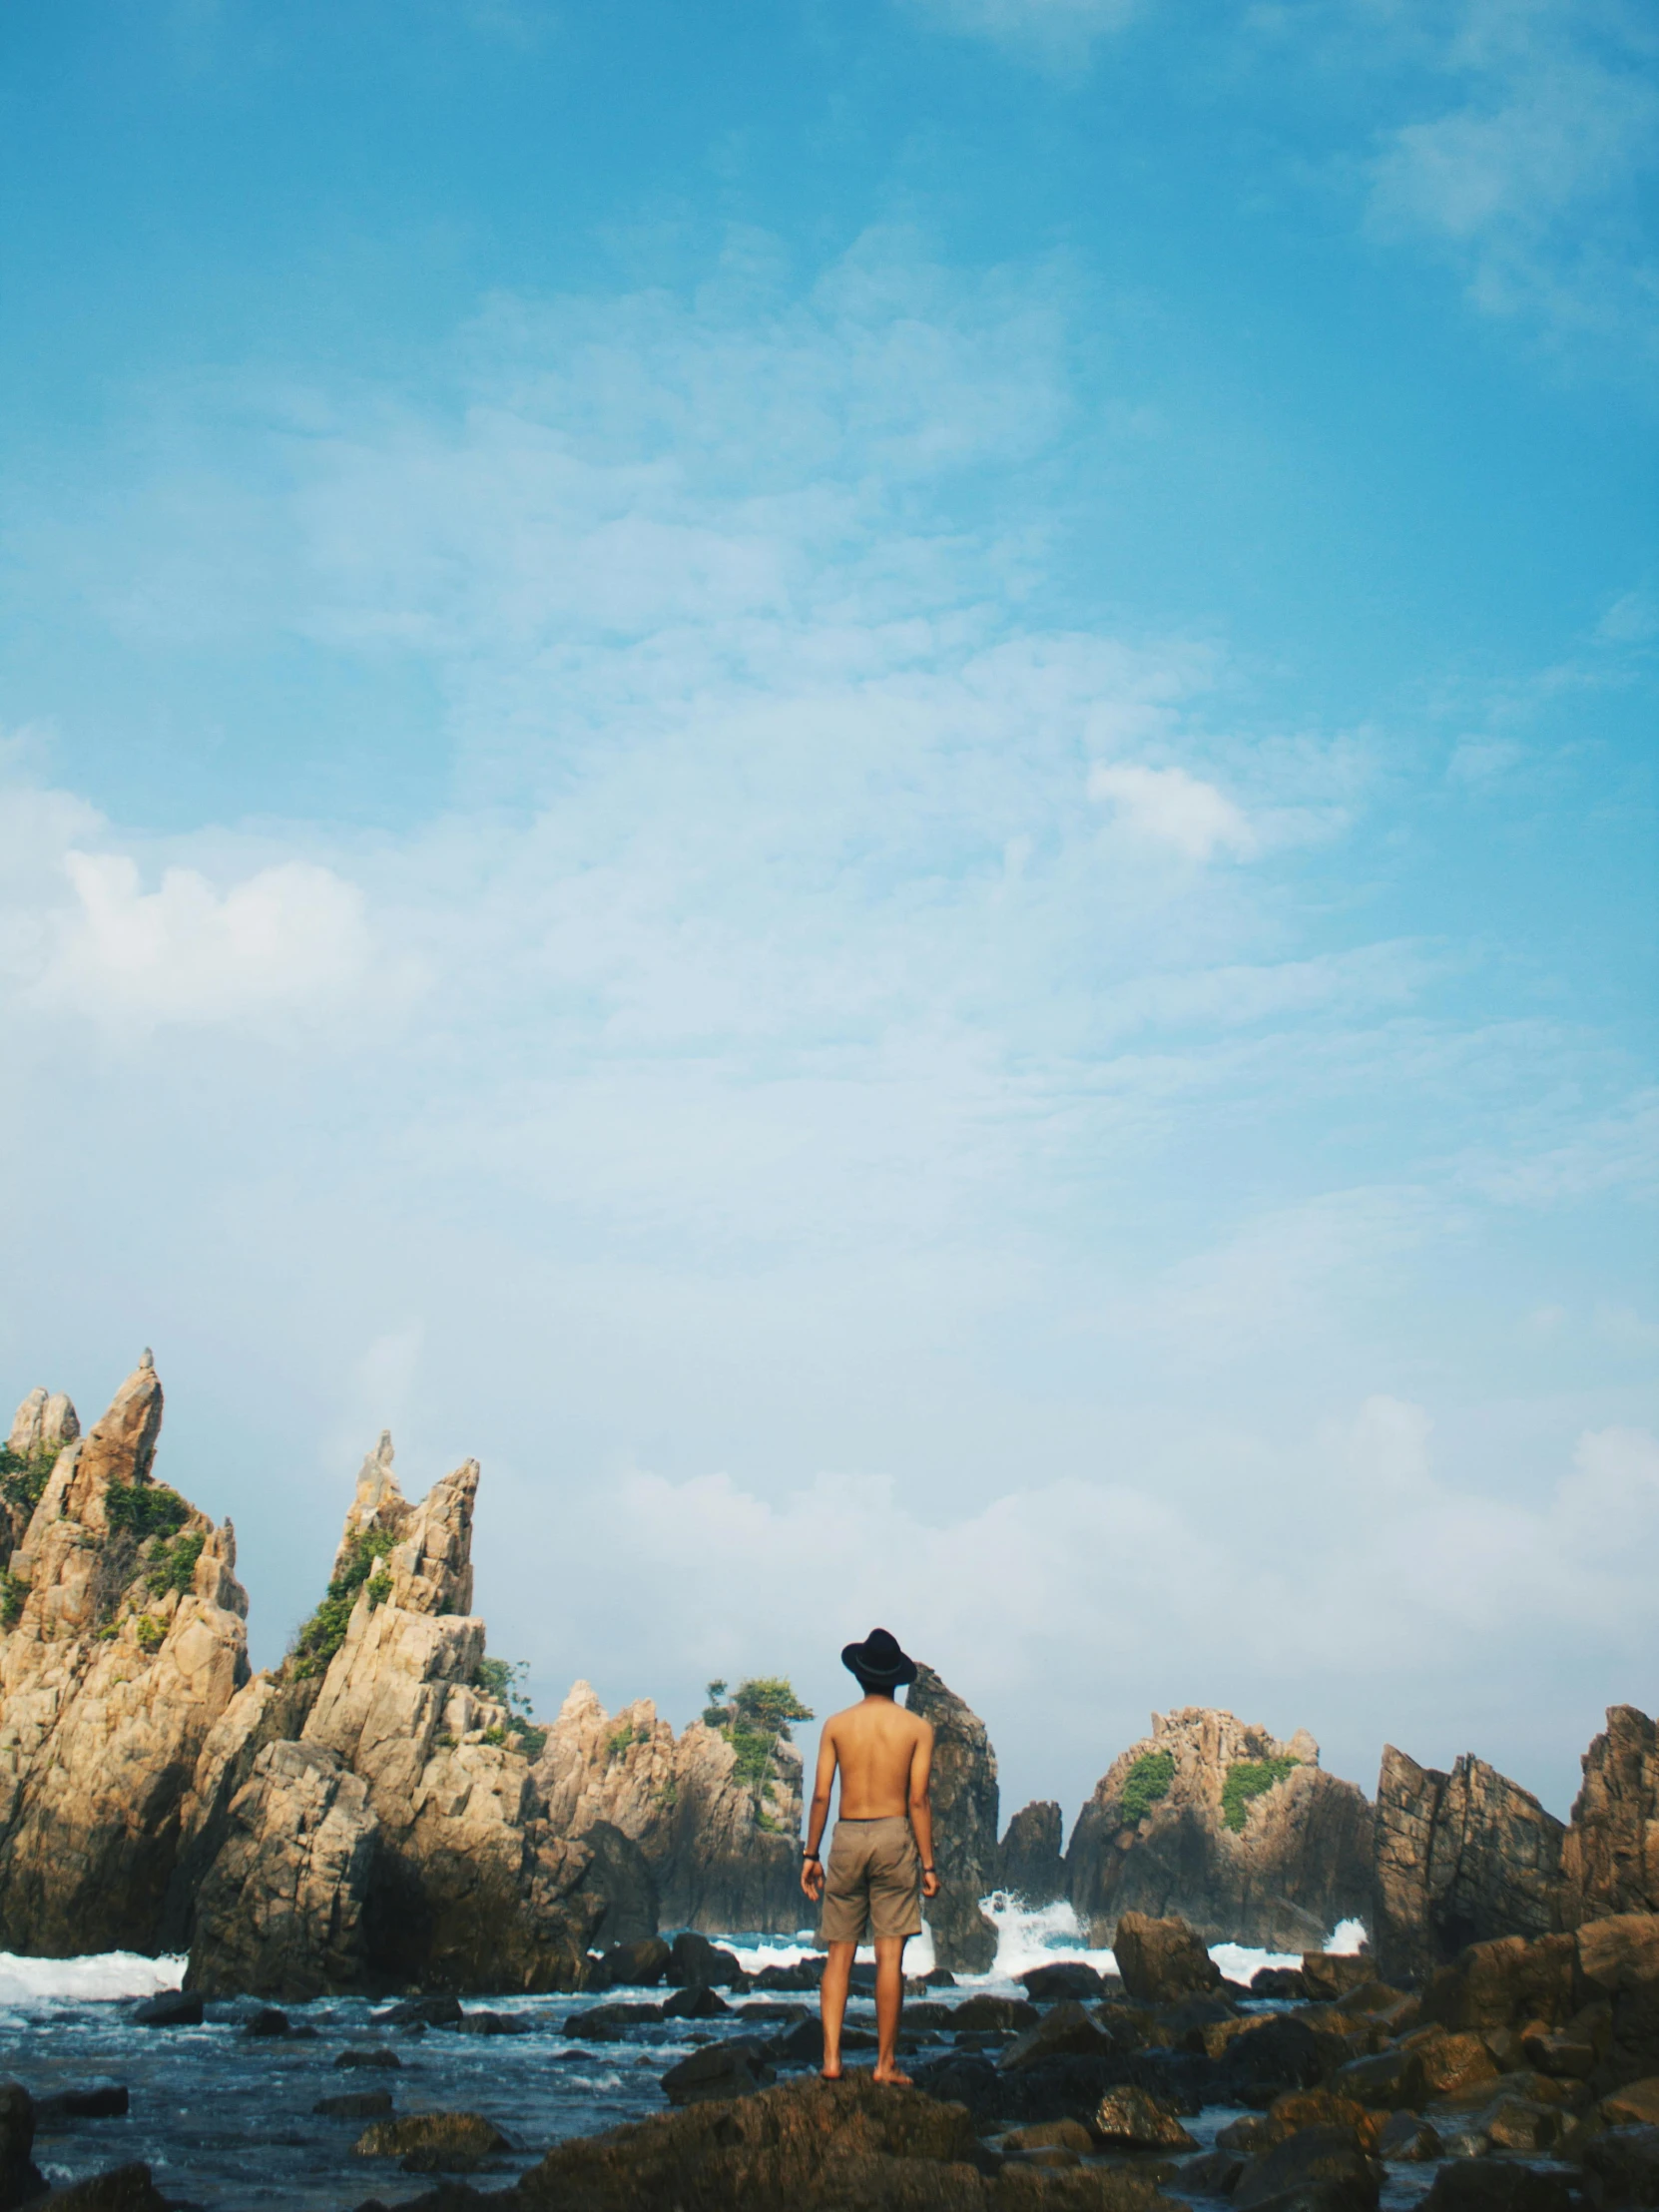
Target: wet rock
(1278,1982)
(1216,2174)
(721,2070)
(1610,1860)
(436,2011)
(966,1809)
(267,2021)
(377,2055)
(1504,1982)
(1280,2053)
(1389,2081)
(1063,2030)
(355,2104)
(1069,2136)
(1029,1860)
(168,2009)
(1637,2105)
(1523,2125)
(1162,1959)
(1300,1861)
(1300,2108)
(1460,1858)
(19,2177)
(695,2002)
(1128,2118)
(122,2189)
(494,2023)
(1452,2064)
(996,2012)
(100,2099)
(1498,2186)
(1572,2056)
(1066,1978)
(1408,2140)
(638,1965)
(1330,1974)
(1318,2166)
(433,2142)
(694,1963)
(1623,2165)
(805,1973)
(601,2023)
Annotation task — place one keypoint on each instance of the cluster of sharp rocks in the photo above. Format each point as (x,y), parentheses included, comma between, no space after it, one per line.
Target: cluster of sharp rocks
(381,1822)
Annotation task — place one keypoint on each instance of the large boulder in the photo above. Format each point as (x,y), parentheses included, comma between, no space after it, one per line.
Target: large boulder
(966,1807)
(1504,1982)
(1610,1858)
(1459,1858)
(1162,1960)
(1616,1965)
(1030,1865)
(125,1641)
(1243,1835)
(722,1852)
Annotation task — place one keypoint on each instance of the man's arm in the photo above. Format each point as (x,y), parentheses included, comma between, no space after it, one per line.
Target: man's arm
(811,1866)
(922,1807)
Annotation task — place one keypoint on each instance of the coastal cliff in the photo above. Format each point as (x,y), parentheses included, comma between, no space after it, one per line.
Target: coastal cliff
(965,1805)
(1242,1837)
(124,1643)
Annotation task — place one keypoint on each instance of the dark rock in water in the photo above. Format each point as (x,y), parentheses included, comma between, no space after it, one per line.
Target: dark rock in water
(848,2142)
(697,2001)
(628,1883)
(1063,2030)
(1168,1830)
(19,2177)
(966,1808)
(1262,2063)
(1317,2166)
(998,2013)
(1460,1857)
(1610,1860)
(600,2022)
(785,2015)
(694,1961)
(638,1965)
(720,2070)
(356,2104)
(1127,2118)
(1468,2185)
(267,2021)
(377,2055)
(805,1973)
(494,2023)
(448,2196)
(1161,1960)
(803,2044)
(122,2189)
(420,2011)
(1390,2081)
(1408,2139)
(1216,2174)
(1278,1982)
(1066,1978)
(940,1978)
(860,1980)
(168,2009)
(1624,2164)
(1029,1860)
(433,2142)
(1330,1974)
(88,2100)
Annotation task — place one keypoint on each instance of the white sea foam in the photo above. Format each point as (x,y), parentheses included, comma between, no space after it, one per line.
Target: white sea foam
(98,1975)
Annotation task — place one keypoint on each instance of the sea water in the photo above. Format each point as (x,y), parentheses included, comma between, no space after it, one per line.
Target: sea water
(225,2120)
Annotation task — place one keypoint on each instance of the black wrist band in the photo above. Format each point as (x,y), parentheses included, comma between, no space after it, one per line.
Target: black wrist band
(808,1856)
(929,1870)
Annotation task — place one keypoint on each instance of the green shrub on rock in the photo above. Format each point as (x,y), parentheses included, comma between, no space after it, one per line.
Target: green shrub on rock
(1146,1781)
(1246,1779)
(323,1635)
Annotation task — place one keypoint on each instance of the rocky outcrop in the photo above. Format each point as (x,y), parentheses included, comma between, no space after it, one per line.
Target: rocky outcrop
(1030,1863)
(1601,1984)
(44,1424)
(722,1851)
(1610,1856)
(1162,1960)
(1460,1857)
(1244,1837)
(124,1643)
(399,1825)
(966,1808)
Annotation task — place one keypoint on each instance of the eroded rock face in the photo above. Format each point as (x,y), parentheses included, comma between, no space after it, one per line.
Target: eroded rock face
(1610,1856)
(1301,1863)
(721,1854)
(1460,1857)
(966,1809)
(1030,1863)
(126,1646)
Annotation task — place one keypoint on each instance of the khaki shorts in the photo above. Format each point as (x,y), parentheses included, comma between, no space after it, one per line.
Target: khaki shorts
(872,1882)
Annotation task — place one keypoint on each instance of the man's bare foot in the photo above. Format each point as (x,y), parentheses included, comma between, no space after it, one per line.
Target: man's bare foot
(829,2074)
(892,2074)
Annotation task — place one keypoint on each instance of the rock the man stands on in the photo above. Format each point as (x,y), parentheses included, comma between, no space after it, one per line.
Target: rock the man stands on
(882,1852)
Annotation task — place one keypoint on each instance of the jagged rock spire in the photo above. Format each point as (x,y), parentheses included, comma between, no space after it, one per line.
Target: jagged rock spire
(45,1422)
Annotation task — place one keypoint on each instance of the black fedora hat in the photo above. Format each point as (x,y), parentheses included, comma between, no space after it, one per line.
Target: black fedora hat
(879,1660)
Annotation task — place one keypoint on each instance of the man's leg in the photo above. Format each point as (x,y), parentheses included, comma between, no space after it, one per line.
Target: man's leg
(838,1972)
(889,1999)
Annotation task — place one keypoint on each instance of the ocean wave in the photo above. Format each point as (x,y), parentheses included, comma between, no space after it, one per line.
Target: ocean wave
(96,1977)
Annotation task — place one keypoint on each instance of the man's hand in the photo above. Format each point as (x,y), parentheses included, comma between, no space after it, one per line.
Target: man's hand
(930,1884)
(811,1877)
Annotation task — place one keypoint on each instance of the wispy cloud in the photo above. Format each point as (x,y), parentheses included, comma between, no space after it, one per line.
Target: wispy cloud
(1052,34)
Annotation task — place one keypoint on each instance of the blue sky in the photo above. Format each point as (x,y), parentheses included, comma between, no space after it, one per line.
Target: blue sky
(875,787)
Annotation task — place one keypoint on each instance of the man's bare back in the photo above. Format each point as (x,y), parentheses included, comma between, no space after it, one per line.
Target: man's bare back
(883,1844)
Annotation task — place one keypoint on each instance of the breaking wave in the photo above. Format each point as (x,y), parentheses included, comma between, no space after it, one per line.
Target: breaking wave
(98,1975)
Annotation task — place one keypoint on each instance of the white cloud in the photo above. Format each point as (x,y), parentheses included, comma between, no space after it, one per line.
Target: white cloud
(1169,806)
(1632,619)
(292,939)
(1053,33)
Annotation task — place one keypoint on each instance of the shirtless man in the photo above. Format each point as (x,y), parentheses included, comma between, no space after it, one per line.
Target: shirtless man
(883,1840)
